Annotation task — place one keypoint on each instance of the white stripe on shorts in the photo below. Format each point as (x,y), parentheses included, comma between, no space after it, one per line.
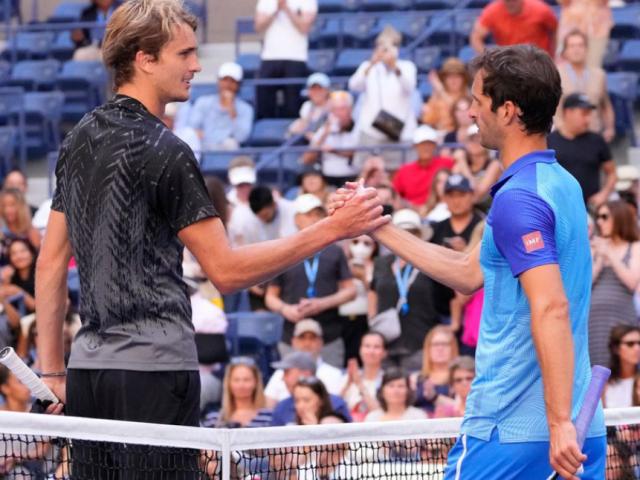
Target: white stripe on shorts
(462,455)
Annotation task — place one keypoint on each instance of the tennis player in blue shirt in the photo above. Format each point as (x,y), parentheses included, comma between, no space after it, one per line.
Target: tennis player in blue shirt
(534,262)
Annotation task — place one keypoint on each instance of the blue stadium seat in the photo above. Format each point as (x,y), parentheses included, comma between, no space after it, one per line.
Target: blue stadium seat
(350,59)
(199,9)
(63,47)
(29,46)
(83,84)
(5,71)
(466,53)
(334,6)
(250,63)
(268,132)
(216,164)
(610,60)
(427,58)
(626,22)
(348,31)
(12,114)
(7,147)
(409,25)
(12,12)
(321,60)
(433,4)
(34,74)
(68,12)
(450,32)
(200,89)
(255,334)
(43,113)
(279,172)
(629,57)
(425,89)
(248,93)
(623,89)
(384,5)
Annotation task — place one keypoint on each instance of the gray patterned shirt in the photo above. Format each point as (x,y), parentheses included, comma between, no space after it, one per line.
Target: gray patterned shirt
(127,186)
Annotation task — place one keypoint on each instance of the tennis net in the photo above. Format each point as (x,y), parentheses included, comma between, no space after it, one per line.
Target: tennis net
(46,447)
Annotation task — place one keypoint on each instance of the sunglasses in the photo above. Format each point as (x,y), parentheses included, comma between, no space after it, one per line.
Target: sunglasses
(631,343)
(603,216)
(248,361)
(462,379)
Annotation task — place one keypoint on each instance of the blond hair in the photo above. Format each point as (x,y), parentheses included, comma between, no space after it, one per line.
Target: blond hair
(426,347)
(140,25)
(228,402)
(23,221)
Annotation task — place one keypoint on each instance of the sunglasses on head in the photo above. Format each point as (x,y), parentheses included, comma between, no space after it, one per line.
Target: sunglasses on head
(248,361)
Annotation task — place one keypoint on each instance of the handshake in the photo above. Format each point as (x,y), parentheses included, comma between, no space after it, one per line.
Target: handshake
(355,210)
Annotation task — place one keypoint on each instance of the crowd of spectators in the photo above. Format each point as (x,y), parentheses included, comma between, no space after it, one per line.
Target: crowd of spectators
(367,337)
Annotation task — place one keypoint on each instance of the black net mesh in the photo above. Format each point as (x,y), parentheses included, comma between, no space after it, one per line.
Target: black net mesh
(39,458)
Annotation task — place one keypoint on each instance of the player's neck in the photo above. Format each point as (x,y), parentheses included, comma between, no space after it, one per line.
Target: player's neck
(145,96)
(518,146)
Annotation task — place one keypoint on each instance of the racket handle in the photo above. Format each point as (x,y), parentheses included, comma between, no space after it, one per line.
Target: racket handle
(599,377)
(12,361)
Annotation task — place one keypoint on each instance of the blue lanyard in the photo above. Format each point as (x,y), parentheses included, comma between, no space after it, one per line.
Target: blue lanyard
(311,271)
(402,280)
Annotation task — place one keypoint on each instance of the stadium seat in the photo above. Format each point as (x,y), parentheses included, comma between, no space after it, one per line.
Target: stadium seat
(248,93)
(63,47)
(216,164)
(610,60)
(7,147)
(34,74)
(199,9)
(629,57)
(83,84)
(348,31)
(425,89)
(255,334)
(409,25)
(626,22)
(623,89)
(5,71)
(282,170)
(466,53)
(321,60)
(250,63)
(68,12)
(200,89)
(13,11)
(350,59)
(433,4)
(43,112)
(29,46)
(334,6)
(449,32)
(427,58)
(384,5)
(12,114)
(268,132)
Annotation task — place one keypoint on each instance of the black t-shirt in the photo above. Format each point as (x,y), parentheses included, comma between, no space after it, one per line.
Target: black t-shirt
(421,316)
(582,157)
(442,231)
(127,186)
(332,269)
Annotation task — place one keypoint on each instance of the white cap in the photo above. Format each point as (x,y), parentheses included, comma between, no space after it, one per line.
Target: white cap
(230,69)
(307,202)
(424,133)
(240,175)
(627,174)
(407,219)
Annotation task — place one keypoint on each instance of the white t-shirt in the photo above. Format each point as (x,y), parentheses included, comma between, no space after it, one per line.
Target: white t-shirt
(245,227)
(411,413)
(619,394)
(382,89)
(282,40)
(331,378)
(334,165)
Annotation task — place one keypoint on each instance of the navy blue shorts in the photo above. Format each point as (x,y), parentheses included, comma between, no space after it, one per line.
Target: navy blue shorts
(475,459)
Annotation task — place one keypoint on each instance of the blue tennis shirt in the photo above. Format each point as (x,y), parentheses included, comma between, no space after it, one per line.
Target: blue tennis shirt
(537,217)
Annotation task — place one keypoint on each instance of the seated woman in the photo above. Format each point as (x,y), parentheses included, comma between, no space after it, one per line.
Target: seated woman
(16,216)
(243,403)
(624,347)
(440,348)
(395,398)
(361,385)
(462,372)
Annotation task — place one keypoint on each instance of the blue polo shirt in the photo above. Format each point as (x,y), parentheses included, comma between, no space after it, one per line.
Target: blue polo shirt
(537,217)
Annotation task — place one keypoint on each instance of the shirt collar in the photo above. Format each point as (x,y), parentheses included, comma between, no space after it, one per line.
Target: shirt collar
(538,156)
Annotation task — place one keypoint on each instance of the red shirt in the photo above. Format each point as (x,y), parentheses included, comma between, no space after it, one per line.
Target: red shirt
(413,181)
(535,24)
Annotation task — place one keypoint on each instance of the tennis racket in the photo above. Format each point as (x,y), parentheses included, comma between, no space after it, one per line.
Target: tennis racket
(12,361)
(599,377)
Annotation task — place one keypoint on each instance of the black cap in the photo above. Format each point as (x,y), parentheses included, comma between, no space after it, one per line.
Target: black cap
(458,183)
(577,100)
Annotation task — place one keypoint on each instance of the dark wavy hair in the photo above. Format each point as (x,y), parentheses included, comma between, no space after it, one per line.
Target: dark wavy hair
(317,387)
(391,375)
(615,337)
(524,75)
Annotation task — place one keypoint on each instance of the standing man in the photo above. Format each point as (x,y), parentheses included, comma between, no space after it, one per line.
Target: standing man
(534,261)
(286,25)
(513,22)
(583,153)
(129,196)
(578,77)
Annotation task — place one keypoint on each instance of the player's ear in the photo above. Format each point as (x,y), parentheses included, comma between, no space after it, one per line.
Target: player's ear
(145,61)
(509,112)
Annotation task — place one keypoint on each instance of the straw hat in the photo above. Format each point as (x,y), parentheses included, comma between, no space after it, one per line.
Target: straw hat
(454,66)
